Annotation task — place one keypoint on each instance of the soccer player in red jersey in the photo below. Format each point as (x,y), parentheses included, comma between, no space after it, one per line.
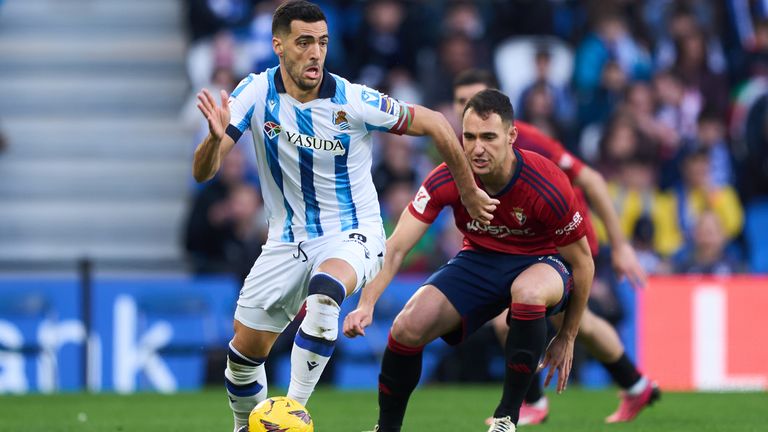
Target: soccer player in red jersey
(597,335)
(533,259)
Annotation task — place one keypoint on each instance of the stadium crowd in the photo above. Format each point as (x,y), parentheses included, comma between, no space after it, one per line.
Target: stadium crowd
(668,99)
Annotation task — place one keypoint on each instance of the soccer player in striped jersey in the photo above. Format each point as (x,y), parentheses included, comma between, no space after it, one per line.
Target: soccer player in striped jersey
(533,259)
(597,335)
(311,133)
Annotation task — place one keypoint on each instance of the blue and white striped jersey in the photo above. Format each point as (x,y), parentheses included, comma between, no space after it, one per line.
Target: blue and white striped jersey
(314,158)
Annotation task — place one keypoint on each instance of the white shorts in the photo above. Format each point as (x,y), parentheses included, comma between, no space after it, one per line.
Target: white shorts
(276,286)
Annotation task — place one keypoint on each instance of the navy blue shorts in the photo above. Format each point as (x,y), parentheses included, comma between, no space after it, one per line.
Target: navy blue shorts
(478,285)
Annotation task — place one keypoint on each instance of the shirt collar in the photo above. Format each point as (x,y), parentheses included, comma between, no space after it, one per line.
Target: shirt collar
(327,85)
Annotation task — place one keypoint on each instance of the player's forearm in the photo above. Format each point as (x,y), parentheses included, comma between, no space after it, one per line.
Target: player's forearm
(450,149)
(583,272)
(372,292)
(207,159)
(596,189)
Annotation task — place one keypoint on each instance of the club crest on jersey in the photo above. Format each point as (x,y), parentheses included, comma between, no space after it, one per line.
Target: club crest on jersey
(371,97)
(311,142)
(519,215)
(272,129)
(340,120)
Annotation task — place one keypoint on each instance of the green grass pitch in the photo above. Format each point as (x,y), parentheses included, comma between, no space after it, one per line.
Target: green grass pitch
(432,408)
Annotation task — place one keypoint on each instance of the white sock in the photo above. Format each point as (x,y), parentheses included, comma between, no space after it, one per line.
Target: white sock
(316,338)
(246,382)
(638,387)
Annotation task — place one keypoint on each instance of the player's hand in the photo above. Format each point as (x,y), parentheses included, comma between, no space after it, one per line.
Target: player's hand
(479,205)
(217,115)
(559,356)
(626,264)
(356,322)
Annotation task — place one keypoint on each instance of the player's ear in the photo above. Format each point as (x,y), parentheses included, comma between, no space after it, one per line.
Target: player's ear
(277,46)
(512,134)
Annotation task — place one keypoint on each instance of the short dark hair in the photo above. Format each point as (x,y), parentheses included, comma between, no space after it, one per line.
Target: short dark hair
(295,10)
(475,76)
(491,101)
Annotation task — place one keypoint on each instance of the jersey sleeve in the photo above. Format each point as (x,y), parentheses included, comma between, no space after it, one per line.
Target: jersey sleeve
(383,113)
(241,105)
(560,212)
(435,192)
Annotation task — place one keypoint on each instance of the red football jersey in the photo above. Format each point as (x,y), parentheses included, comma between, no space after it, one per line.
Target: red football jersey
(537,212)
(531,139)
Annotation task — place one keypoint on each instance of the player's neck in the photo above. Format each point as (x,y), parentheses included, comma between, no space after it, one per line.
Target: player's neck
(495,182)
(293,90)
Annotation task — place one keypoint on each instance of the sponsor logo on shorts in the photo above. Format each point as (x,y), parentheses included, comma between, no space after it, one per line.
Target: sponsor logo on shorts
(559,263)
(421,200)
(358,236)
(572,225)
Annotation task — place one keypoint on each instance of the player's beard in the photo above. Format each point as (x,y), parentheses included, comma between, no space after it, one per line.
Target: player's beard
(296,71)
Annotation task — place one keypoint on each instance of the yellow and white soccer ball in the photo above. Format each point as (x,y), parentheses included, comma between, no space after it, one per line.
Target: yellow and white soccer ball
(280,414)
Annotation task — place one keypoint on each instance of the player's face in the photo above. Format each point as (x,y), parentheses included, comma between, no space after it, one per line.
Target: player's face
(462,95)
(488,144)
(303,51)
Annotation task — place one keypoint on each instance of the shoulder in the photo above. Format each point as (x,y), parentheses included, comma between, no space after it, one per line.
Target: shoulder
(438,179)
(252,86)
(546,180)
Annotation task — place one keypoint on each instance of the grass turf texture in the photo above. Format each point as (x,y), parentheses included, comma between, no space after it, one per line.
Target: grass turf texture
(433,408)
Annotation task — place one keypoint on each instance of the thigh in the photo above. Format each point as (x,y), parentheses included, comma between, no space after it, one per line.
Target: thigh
(362,250)
(275,288)
(539,284)
(427,316)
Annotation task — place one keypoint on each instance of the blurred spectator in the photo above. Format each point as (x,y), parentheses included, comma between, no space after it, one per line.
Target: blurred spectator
(609,40)
(455,54)
(538,109)
(598,105)
(563,105)
(642,240)
(681,23)
(381,43)
(396,164)
(621,141)
(218,236)
(640,104)
(756,63)
(678,109)
(696,194)
(706,254)
(207,17)
(693,67)
(710,135)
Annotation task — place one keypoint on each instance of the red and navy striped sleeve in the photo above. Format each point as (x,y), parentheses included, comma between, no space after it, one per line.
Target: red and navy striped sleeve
(437,191)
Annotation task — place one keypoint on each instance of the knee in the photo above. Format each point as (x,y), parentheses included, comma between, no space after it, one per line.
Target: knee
(527,294)
(405,331)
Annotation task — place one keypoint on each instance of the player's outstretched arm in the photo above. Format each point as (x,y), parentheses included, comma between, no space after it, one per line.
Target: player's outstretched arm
(427,122)
(559,354)
(217,144)
(408,232)
(623,256)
